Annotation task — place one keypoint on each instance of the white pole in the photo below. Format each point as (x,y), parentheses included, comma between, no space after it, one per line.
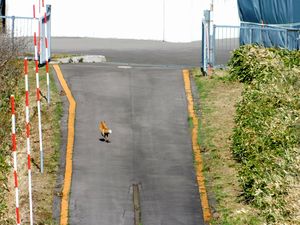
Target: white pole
(164,20)
(14,149)
(28,140)
(38,100)
(47,59)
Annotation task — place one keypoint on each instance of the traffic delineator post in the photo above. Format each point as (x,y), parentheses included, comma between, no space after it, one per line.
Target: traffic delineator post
(27,115)
(38,101)
(14,149)
(47,59)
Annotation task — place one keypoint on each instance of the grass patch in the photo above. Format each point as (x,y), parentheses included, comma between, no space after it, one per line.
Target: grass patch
(190,122)
(42,184)
(8,85)
(218,96)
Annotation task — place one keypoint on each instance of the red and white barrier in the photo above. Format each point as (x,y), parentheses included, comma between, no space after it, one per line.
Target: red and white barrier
(47,58)
(14,149)
(28,139)
(34,37)
(38,100)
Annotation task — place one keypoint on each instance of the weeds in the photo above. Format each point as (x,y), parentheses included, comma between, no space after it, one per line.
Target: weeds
(218,95)
(10,68)
(266,135)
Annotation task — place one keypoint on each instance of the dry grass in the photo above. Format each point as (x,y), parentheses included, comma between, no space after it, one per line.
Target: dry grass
(217,107)
(43,184)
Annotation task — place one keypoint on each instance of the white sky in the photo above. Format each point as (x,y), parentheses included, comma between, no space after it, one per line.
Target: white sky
(173,20)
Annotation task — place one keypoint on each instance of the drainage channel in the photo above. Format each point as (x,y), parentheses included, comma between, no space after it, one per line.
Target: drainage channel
(137,204)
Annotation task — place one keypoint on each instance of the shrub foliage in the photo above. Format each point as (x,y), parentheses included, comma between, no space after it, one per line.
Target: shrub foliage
(267,132)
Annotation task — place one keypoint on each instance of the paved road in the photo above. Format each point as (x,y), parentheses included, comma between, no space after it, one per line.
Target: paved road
(150,145)
(132,51)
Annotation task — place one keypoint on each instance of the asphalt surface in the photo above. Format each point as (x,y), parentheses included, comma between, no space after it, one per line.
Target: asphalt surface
(132,51)
(145,106)
(150,145)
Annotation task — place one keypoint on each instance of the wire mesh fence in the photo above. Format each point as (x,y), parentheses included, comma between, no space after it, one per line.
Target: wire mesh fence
(225,39)
(20,31)
(219,41)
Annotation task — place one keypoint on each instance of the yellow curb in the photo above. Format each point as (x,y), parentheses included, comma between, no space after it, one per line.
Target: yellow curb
(196,148)
(64,212)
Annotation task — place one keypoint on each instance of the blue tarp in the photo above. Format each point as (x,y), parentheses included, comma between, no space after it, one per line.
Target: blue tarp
(270,22)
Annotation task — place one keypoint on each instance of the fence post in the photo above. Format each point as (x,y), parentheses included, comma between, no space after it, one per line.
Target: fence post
(250,35)
(286,39)
(213,46)
(203,46)
(206,40)
(13,31)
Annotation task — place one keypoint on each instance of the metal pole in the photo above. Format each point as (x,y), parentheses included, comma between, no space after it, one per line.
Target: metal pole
(48,8)
(47,59)
(203,45)
(286,39)
(14,149)
(164,19)
(38,100)
(28,140)
(13,31)
(206,29)
(204,59)
(214,45)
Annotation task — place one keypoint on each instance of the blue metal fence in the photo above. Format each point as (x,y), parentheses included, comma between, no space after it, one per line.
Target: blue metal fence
(219,42)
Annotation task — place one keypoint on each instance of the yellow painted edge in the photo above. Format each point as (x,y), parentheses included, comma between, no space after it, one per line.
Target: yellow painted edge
(64,212)
(196,148)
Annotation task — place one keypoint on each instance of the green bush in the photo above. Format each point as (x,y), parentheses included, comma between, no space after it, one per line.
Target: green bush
(267,136)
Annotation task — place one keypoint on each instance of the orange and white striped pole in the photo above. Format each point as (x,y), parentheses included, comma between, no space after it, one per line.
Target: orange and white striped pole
(47,58)
(39,27)
(14,149)
(38,99)
(28,139)
(34,36)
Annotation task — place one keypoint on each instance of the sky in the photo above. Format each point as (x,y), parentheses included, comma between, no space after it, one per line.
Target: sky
(170,20)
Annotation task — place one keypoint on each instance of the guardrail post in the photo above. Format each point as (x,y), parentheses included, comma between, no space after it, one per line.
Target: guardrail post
(250,35)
